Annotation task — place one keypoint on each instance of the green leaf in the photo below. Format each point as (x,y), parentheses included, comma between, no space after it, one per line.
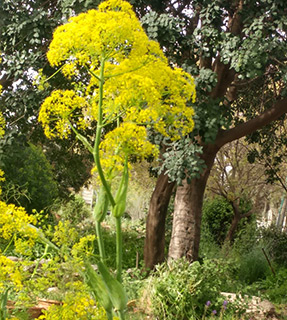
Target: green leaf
(98,287)
(114,288)
(101,206)
(121,196)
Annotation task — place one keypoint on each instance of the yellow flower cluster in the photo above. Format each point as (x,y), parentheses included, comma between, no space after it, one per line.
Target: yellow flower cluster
(84,248)
(58,109)
(77,305)
(65,234)
(129,139)
(156,96)
(139,87)
(1,179)
(10,274)
(112,31)
(2,124)
(15,222)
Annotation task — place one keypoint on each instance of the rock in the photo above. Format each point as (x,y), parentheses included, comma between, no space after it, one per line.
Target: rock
(257,308)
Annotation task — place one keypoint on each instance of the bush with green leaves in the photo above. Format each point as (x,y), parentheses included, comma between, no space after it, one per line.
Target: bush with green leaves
(27,169)
(275,286)
(75,210)
(216,218)
(275,242)
(180,290)
(253,266)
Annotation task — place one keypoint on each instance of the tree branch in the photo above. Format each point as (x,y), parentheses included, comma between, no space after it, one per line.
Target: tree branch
(248,127)
(225,75)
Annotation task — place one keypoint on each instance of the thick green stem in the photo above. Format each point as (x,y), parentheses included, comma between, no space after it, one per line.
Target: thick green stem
(119,244)
(100,241)
(96,152)
(121,315)
(109,315)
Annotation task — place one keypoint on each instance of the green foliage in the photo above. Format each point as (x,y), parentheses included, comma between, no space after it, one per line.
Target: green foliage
(26,30)
(76,211)
(275,241)
(133,280)
(27,168)
(167,28)
(208,248)
(180,290)
(251,51)
(275,286)
(253,266)
(246,262)
(182,161)
(217,214)
(133,241)
(247,238)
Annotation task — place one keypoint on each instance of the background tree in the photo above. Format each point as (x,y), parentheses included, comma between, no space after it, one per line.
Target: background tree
(238,51)
(29,180)
(242,184)
(26,29)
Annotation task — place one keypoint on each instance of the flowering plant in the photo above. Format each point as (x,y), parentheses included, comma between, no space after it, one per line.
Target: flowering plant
(120,80)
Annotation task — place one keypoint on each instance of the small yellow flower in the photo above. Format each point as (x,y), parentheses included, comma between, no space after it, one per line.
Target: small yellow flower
(10,274)
(140,90)
(15,222)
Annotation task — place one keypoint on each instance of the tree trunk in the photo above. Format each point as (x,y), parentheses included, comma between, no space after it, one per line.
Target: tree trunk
(154,243)
(232,228)
(281,214)
(187,214)
(237,216)
(155,225)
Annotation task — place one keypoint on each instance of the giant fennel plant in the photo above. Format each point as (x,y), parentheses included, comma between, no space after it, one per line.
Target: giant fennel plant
(123,86)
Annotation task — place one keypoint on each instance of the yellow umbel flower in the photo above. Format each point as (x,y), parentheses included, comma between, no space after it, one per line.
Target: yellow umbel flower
(10,274)
(130,139)
(15,222)
(58,109)
(127,77)
(113,31)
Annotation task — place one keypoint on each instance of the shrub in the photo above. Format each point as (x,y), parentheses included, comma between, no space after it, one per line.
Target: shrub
(75,210)
(216,218)
(180,290)
(276,285)
(247,239)
(27,168)
(275,241)
(253,266)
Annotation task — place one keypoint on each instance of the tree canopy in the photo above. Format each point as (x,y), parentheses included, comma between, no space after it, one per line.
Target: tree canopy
(237,52)
(235,49)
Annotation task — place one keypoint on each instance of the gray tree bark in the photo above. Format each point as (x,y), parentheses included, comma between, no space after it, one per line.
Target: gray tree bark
(187,214)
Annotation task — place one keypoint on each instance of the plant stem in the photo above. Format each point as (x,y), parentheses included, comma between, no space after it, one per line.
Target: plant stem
(109,315)
(39,260)
(96,153)
(119,244)
(100,241)
(8,246)
(3,305)
(121,315)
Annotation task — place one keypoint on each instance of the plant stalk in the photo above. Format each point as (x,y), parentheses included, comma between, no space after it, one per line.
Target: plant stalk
(119,248)
(98,135)
(100,241)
